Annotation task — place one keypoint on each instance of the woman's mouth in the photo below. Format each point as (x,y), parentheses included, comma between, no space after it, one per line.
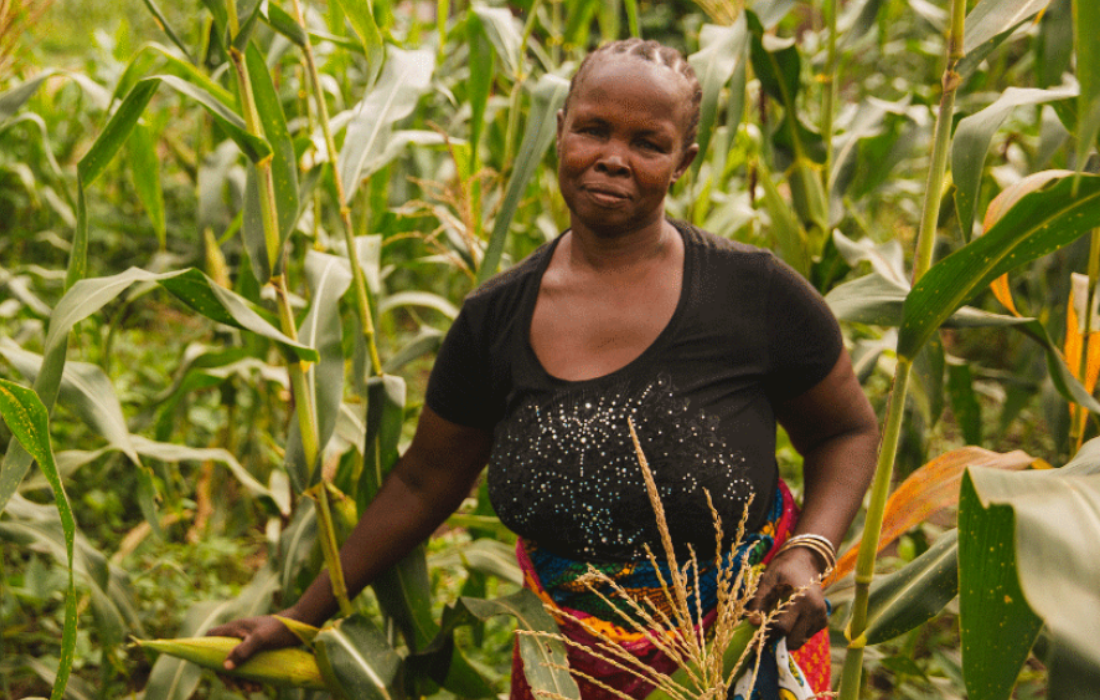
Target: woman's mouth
(605,196)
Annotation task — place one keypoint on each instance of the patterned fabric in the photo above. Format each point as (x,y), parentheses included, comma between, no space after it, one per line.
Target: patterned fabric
(557,580)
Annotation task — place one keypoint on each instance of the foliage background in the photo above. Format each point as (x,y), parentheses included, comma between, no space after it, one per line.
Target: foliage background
(165,536)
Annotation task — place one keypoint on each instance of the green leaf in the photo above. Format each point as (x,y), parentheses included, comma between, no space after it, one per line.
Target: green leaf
(483,555)
(876,300)
(973,136)
(480,83)
(996,624)
(1086,27)
(908,598)
(28,420)
(539,133)
(116,132)
(284,170)
(355,657)
(329,277)
(505,34)
(427,341)
(385,416)
(427,300)
(86,389)
(964,401)
(14,99)
(544,658)
(166,27)
(1057,521)
(406,77)
(145,169)
(722,50)
(404,593)
(989,24)
(361,15)
(254,147)
(282,22)
(789,236)
(1039,223)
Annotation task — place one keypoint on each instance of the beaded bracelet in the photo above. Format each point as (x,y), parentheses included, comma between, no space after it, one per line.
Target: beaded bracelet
(816,543)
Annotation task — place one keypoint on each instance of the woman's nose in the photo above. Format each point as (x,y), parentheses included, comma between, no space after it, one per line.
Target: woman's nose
(612,162)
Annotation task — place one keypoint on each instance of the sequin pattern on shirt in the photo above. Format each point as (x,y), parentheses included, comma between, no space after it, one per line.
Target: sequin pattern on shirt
(564,473)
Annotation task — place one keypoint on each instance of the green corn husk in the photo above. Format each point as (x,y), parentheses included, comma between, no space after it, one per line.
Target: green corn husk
(286,667)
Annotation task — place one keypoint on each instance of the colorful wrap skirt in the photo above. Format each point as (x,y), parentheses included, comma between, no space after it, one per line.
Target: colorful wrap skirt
(556,581)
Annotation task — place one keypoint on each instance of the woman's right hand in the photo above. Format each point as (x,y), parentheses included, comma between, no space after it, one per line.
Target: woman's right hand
(264,633)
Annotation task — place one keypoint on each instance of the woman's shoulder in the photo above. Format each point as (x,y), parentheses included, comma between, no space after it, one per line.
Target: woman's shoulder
(713,249)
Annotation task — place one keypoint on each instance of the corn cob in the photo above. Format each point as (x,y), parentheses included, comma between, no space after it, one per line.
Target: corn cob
(287,667)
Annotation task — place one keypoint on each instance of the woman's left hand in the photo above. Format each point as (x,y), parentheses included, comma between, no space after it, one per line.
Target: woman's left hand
(795,575)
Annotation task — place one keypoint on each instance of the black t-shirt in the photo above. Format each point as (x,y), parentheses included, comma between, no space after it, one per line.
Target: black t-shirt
(747,332)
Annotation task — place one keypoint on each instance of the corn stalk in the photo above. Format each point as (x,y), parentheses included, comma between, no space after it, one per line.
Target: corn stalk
(851,675)
(305,405)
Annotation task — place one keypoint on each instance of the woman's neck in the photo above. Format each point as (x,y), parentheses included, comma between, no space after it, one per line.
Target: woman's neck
(598,252)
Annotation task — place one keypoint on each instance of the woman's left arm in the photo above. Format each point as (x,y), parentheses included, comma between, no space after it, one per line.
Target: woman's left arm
(834,428)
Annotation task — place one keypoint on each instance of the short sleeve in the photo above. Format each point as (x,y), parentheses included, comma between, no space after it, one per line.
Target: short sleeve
(804,339)
(460,387)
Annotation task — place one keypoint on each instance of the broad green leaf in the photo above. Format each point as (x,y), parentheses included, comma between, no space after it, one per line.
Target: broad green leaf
(973,136)
(385,416)
(283,23)
(631,7)
(989,24)
(1054,46)
(538,134)
(166,27)
(361,15)
(789,235)
(173,453)
(483,555)
(543,657)
(1086,27)
(14,99)
(771,11)
(145,170)
(254,147)
(880,301)
(427,341)
(996,624)
(964,401)
(355,657)
(406,76)
(722,50)
(116,132)
(329,278)
(908,598)
(505,34)
(1040,223)
(86,389)
(248,14)
(28,420)
(480,83)
(776,63)
(284,172)
(404,593)
(928,490)
(424,299)
(39,527)
(1057,521)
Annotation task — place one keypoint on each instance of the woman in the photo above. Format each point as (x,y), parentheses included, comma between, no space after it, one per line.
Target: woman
(700,342)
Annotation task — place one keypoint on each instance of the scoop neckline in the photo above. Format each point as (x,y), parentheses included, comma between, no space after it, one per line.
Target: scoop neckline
(658,342)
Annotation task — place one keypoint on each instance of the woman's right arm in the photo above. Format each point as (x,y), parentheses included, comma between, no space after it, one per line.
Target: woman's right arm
(426,485)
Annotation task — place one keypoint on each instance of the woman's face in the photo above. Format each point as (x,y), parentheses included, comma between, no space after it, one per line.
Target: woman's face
(621,144)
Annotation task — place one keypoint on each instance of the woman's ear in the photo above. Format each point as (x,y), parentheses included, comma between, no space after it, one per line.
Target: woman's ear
(685,161)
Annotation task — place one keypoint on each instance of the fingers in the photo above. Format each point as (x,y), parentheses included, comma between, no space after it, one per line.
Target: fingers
(256,634)
(805,613)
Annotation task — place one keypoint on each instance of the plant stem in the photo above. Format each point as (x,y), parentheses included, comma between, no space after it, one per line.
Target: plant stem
(332,551)
(830,89)
(851,675)
(1080,416)
(359,283)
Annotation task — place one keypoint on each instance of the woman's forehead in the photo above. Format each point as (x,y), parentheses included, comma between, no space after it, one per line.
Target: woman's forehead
(633,84)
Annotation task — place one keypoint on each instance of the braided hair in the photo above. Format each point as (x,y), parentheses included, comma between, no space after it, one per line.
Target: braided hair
(653,52)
